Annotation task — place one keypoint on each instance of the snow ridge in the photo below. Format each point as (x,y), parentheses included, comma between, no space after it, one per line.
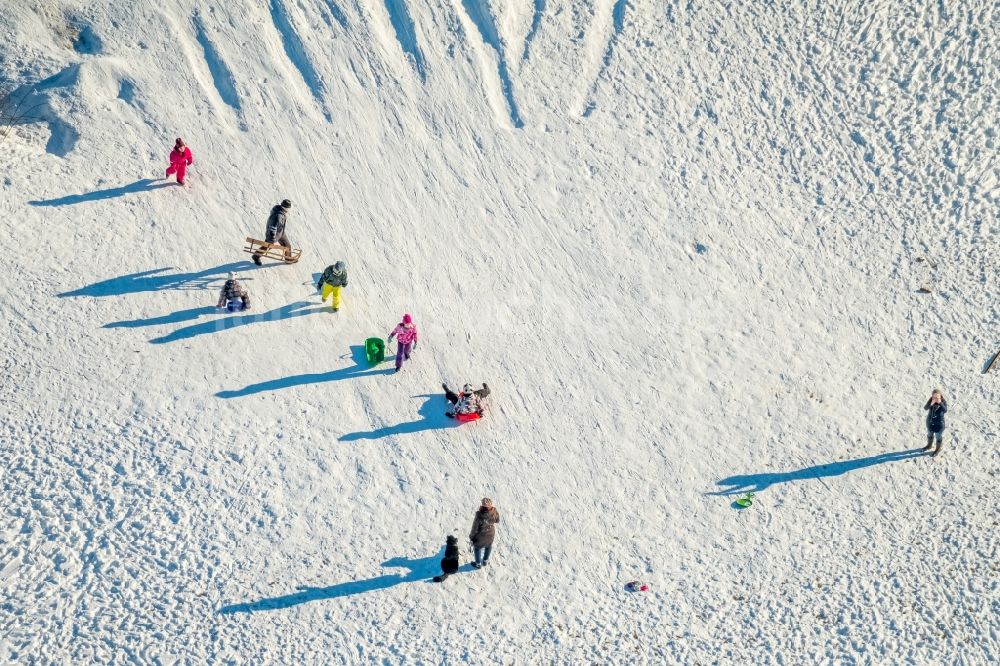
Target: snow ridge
(403,26)
(296,52)
(478,11)
(222,77)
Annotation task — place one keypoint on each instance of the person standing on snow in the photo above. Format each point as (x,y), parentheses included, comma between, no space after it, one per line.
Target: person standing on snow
(484,532)
(469,401)
(406,340)
(334,279)
(936,408)
(233,297)
(180,159)
(275,232)
(449,563)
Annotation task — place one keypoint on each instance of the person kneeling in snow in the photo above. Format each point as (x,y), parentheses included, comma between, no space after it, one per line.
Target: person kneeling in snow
(449,563)
(334,278)
(233,297)
(468,402)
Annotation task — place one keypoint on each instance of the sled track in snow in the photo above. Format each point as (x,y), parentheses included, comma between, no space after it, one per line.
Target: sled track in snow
(479,13)
(617,25)
(536,22)
(296,52)
(337,13)
(222,77)
(406,34)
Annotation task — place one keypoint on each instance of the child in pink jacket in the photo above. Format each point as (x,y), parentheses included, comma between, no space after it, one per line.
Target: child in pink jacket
(180,159)
(406,340)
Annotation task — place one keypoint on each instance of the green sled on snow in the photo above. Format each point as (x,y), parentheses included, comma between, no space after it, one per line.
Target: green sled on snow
(375,350)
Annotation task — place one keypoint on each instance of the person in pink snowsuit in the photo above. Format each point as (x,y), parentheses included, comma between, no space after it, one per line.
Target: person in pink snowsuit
(406,340)
(180,159)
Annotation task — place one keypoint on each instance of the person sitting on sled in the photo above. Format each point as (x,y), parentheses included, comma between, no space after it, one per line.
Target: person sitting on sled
(233,297)
(469,403)
(334,278)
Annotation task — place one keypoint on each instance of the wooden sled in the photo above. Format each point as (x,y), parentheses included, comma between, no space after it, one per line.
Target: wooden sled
(272,250)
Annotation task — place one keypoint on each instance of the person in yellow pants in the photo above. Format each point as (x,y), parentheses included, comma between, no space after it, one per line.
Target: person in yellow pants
(330,284)
(328,291)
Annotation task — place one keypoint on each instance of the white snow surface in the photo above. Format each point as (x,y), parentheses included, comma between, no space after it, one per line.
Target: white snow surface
(681,241)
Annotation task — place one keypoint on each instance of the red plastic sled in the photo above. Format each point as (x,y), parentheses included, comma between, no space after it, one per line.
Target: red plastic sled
(637,586)
(465,418)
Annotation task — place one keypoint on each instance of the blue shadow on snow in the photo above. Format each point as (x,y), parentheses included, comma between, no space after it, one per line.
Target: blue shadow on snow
(361,368)
(172,318)
(755,483)
(156,280)
(479,13)
(142,185)
(432,418)
(421,568)
(297,309)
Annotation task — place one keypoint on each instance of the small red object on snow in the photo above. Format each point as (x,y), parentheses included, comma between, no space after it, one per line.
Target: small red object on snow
(636,586)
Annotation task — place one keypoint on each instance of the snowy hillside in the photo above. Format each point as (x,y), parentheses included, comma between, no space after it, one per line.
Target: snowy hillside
(695,249)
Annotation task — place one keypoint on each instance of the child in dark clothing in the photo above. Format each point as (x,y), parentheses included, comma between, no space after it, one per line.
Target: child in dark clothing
(936,408)
(233,297)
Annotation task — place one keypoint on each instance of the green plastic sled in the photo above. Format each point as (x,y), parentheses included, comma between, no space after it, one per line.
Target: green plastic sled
(375,350)
(745,501)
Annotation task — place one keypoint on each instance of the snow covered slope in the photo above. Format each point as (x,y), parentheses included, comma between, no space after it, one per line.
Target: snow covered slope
(681,241)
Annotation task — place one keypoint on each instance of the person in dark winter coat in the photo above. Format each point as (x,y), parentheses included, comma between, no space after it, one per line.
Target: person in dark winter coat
(468,401)
(275,232)
(233,297)
(334,279)
(936,408)
(334,275)
(450,562)
(483,532)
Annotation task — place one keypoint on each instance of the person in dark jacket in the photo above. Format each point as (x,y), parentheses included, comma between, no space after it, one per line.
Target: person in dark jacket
(483,532)
(334,279)
(449,563)
(936,408)
(233,297)
(467,401)
(275,232)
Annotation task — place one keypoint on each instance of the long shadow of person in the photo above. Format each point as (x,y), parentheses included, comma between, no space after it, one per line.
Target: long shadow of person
(155,280)
(361,368)
(422,568)
(757,482)
(431,418)
(142,185)
(172,318)
(297,309)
